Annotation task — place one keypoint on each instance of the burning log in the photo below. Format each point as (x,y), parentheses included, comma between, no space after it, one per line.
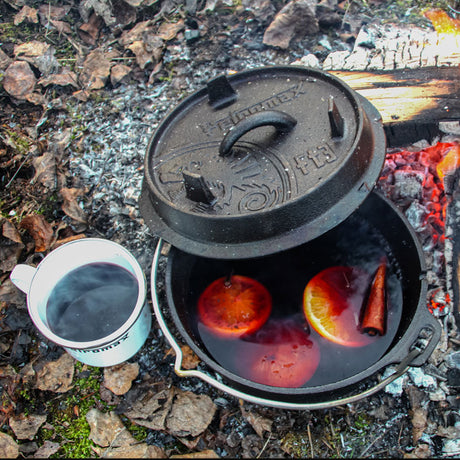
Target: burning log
(373,322)
(411,101)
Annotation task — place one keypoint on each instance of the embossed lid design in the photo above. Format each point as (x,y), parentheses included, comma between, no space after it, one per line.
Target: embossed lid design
(261,161)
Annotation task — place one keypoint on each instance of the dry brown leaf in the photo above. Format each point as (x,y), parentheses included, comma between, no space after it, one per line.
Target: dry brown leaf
(40,230)
(56,375)
(102,8)
(10,247)
(107,429)
(190,360)
(61,26)
(149,407)
(118,379)
(47,449)
(203,454)
(70,205)
(89,31)
(67,240)
(297,16)
(31,49)
(26,427)
(190,414)
(168,30)
(38,54)
(136,33)
(36,98)
(147,51)
(137,450)
(65,78)
(96,69)
(5,60)
(27,14)
(124,14)
(8,446)
(45,170)
(19,80)
(81,95)
(118,72)
(48,12)
(9,231)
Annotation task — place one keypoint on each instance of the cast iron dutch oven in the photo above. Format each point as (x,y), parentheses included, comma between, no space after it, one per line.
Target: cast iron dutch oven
(268,168)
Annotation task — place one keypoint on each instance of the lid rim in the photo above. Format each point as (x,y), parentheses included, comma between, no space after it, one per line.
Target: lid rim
(285,224)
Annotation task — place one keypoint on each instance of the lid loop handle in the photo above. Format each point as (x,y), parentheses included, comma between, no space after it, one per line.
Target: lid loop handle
(280,120)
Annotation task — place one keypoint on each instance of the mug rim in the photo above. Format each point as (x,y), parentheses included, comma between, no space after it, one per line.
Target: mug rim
(98,343)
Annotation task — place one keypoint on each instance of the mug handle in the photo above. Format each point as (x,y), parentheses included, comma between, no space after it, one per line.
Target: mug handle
(21,276)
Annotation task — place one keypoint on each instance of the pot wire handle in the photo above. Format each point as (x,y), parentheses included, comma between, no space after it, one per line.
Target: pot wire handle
(401,368)
(282,121)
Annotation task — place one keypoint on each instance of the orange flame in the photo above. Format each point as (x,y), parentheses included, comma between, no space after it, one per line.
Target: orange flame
(442,22)
(450,162)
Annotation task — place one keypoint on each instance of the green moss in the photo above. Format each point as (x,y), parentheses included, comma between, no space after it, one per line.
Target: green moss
(296,444)
(67,414)
(139,432)
(9,33)
(18,141)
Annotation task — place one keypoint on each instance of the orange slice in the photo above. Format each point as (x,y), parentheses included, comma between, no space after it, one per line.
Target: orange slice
(280,354)
(332,304)
(236,306)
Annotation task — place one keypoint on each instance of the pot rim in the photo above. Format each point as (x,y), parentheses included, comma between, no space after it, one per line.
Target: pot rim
(397,352)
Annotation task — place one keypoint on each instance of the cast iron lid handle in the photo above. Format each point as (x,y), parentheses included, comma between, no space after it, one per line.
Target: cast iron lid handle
(280,120)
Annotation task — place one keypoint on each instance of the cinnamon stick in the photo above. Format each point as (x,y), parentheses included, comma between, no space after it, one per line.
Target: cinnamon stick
(373,322)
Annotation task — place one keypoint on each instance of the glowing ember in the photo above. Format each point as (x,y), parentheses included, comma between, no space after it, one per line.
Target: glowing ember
(282,354)
(332,304)
(235,306)
(442,22)
(417,181)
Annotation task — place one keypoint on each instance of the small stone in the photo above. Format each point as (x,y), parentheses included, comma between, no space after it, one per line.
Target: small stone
(118,379)
(8,447)
(26,427)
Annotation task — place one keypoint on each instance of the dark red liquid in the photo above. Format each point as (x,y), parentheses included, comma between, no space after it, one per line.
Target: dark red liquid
(286,275)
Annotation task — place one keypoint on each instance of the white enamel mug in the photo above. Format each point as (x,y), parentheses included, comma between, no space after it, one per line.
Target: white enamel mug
(38,283)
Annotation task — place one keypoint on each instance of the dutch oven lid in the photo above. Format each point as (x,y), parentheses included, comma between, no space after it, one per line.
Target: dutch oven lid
(261,161)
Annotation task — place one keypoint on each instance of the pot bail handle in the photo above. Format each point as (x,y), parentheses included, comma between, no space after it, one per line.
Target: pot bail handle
(282,121)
